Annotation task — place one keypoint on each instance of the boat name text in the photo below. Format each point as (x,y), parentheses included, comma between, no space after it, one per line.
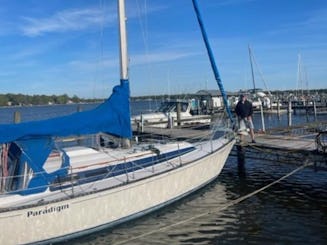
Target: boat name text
(47,210)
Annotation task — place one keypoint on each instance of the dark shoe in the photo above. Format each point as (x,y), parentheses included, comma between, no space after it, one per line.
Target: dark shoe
(253,141)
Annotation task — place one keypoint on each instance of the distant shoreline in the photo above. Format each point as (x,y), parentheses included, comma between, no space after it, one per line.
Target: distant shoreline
(19,100)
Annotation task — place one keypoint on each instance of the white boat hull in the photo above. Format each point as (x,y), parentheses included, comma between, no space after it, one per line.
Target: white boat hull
(84,214)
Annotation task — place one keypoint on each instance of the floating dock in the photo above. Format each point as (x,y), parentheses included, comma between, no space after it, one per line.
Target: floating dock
(284,142)
(289,148)
(286,149)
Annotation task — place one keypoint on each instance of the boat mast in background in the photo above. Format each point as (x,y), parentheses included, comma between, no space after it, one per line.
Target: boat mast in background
(299,76)
(253,60)
(302,78)
(251,63)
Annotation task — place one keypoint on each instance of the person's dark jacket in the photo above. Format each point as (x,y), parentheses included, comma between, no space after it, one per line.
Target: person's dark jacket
(244,110)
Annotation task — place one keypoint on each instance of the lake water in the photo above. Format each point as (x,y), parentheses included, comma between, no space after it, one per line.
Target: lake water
(294,211)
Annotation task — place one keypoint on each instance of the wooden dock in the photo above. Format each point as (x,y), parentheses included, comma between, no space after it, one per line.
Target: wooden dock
(287,143)
(283,148)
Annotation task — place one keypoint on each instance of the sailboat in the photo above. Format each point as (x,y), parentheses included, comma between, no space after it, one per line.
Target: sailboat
(54,190)
(260,98)
(172,113)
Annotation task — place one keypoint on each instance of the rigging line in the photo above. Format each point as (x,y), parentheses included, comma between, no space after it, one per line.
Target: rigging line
(260,72)
(229,204)
(99,58)
(252,73)
(142,11)
(143,25)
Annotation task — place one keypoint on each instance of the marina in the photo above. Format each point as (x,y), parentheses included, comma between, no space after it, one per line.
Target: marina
(205,167)
(261,165)
(87,168)
(268,195)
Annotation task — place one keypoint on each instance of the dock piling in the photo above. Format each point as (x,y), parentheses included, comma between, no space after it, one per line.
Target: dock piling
(17,117)
(289,113)
(179,114)
(262,119)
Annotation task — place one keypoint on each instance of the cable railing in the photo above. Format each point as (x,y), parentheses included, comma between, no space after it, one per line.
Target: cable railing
(85,174)
(96,175)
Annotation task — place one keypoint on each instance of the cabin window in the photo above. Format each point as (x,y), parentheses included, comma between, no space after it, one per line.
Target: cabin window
(171,106)
(18,174)
(167,107)
(63,181)
(184,107)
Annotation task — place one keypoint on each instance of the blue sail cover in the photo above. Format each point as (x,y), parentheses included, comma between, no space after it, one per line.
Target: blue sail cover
(112,116)
(35,152)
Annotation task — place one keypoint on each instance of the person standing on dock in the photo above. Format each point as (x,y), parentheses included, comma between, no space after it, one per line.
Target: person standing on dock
(244,111)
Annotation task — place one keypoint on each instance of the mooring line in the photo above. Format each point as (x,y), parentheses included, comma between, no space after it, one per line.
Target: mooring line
(231,203)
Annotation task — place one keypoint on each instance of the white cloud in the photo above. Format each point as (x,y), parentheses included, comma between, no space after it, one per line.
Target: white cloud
(67,20)
(313,24)
(157,57)
(318,19)
(80,19)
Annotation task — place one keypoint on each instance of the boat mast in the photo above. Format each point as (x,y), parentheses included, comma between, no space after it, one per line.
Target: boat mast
(299,75)
(212,61)
(251,63)
(125,142)
(123,41)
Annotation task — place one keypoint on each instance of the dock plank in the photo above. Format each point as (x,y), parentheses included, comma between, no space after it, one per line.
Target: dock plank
(283,142)
(278,142)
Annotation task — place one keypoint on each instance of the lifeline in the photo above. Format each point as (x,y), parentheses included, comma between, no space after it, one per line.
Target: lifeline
(48,210)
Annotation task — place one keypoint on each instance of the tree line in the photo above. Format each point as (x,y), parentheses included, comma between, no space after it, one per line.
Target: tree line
(21,99)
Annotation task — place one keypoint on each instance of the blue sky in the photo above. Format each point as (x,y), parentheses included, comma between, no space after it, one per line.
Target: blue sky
(60,46)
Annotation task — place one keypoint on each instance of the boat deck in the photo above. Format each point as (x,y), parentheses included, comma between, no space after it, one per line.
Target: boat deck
(176,133)
(64,190)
